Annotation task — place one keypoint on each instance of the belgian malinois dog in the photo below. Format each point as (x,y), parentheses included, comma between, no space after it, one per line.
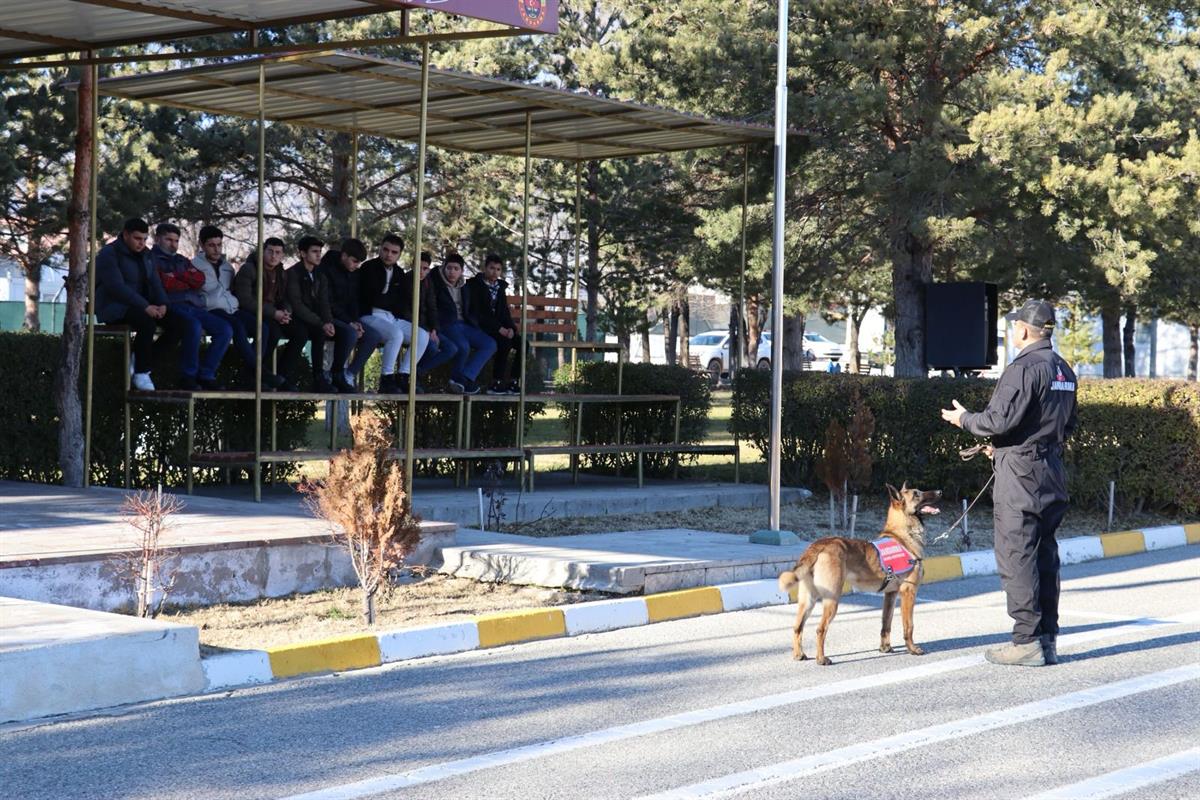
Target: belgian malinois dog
(829,563)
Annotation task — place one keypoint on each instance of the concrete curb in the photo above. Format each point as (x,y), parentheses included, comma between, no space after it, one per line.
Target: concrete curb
(249,667)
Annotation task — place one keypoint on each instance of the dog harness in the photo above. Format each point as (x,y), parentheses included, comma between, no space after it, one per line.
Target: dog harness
(894,558)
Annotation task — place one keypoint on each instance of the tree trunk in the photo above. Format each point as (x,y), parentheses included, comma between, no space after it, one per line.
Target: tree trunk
(592,277)
(912,271)
(341,206)
(671,337)
(793,341)
(645,337)
(853,321)
(66,381)
(736,359)
(368,606)
(1128,337)
(33,289)
(755,336)
(1153,372)
(1110,323)
(685,330)
(1194,354)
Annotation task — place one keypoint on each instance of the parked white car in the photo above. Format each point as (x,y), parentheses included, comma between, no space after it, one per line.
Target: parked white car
(711,351)
(816,349)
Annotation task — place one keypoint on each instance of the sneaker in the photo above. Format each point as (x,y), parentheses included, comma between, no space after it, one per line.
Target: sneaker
(1049,649)
(470,387)
(188,383)
(498,387)
(513,387)
(142,383)
(322,386)
(458,388)
(211,385)
(342,385)
(387,384)
(1017,655)
(402,383)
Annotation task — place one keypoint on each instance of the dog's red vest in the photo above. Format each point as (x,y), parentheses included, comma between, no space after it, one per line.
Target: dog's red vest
(893,556)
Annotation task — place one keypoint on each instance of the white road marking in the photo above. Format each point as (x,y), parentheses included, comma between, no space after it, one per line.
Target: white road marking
(1127,780)
(773,774)
(553,747)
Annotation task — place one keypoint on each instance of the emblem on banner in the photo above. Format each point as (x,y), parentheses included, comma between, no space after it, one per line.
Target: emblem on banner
(533,12)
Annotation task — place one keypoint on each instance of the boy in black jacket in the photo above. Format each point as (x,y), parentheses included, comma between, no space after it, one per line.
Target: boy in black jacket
(490,305)
(387,310)
(340,268)
(308,295)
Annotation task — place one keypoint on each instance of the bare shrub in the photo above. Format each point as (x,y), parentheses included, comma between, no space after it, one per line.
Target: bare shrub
(364,501)
(833,467)
(145,567)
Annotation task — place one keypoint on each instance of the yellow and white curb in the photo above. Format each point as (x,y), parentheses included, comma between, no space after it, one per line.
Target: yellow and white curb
(248,667)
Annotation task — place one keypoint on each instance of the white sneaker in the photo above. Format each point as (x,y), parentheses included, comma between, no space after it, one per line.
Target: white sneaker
(142,382)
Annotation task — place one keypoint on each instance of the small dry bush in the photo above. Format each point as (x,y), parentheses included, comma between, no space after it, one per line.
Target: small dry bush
(145,567)
(364,501)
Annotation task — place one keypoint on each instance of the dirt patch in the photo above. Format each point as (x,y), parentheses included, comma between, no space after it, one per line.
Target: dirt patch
(810,520)
(419,601)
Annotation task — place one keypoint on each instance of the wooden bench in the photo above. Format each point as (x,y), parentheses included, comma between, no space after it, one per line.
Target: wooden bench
(556,315)
(640,450)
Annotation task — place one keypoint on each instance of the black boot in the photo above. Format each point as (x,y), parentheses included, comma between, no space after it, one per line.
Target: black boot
(387,384)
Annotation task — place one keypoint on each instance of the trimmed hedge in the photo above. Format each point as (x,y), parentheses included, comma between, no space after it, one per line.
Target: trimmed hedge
(29,420)
(1143,434)
(640,422)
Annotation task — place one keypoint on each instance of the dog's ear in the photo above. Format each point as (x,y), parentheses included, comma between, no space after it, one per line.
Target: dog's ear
(893,493)
(904,486)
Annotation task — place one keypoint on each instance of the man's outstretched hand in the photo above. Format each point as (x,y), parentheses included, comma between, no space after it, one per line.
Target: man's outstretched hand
(954,415)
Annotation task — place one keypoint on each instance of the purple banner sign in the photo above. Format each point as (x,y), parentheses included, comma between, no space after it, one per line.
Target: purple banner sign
(540,15)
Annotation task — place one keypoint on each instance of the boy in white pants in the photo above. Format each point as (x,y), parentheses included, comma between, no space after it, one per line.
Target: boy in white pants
(387,303)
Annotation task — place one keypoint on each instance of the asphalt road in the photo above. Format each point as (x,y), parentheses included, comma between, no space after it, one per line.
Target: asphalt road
(708,707)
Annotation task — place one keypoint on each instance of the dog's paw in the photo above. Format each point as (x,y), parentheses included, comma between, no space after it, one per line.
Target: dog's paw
(916,651)
(799,657)
(885,648)
(824,662)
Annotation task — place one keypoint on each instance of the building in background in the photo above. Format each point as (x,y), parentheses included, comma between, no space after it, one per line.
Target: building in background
(51,297)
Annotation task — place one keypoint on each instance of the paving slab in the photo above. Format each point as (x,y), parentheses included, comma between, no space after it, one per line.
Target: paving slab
(56,660)
(594,496)
(633,562)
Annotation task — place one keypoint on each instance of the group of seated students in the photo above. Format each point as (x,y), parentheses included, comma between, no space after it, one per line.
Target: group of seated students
(336,295)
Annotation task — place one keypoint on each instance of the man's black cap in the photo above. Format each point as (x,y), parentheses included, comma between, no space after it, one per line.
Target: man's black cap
(1037,313)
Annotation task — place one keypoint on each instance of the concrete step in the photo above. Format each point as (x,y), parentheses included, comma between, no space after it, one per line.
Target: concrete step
(634,562)
(60,660)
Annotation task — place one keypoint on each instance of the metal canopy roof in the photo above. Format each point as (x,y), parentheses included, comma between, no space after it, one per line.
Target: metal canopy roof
(41,27)
(352,92)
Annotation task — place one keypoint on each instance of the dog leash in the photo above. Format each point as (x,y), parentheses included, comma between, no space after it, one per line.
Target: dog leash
(967,455)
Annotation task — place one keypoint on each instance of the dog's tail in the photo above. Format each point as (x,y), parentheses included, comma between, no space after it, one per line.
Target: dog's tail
(790,577)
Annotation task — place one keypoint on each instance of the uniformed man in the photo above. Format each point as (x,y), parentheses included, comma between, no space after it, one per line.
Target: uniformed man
(1029,417)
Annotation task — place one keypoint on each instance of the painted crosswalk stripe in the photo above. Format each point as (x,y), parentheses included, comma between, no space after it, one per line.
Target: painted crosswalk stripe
(1123,781)
(773,774)
(553,747)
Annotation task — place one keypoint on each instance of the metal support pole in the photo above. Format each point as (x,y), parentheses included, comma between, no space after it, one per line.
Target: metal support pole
(578,224)
(410,421)
(774,535)
(741,315)
(94,110)
(262,268)
(524,283)
(354,185)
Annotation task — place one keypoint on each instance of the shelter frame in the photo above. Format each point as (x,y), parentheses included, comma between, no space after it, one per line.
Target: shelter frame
(559,107)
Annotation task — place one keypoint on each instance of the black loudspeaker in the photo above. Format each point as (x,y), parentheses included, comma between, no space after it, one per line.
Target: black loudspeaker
(960,325)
